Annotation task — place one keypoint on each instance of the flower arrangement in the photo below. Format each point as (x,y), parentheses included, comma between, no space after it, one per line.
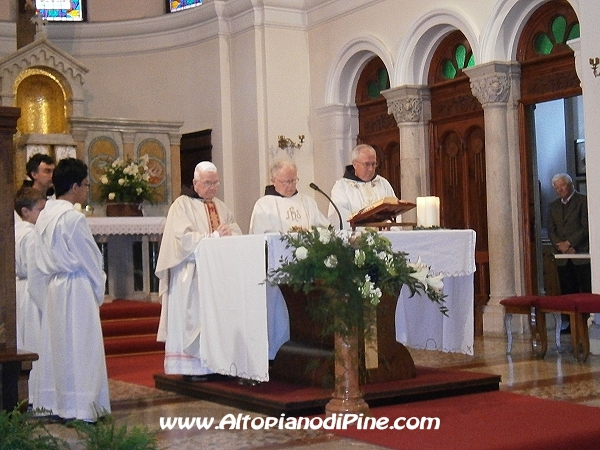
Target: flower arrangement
(350,271)
(126,181)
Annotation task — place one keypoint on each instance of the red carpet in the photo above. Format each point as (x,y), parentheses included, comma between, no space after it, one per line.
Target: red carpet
(489,421)
(130,327)
(137,369)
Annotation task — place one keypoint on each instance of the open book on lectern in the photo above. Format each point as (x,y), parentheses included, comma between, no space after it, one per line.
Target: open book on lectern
(382,210)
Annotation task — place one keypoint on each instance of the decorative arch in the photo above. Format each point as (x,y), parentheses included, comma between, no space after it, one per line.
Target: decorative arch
(43,54)
(421,40)
(347,66)
(500,39)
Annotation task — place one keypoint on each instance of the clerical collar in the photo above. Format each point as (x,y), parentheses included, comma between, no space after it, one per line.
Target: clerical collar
(350,174)
(194,194)
(270,190)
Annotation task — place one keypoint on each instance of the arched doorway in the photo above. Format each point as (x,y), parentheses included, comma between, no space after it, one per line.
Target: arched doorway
(457,154)
(376,126)
(547,74)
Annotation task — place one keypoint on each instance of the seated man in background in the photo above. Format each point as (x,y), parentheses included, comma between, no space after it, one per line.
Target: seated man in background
(359,187)
(282,209)
(189,220)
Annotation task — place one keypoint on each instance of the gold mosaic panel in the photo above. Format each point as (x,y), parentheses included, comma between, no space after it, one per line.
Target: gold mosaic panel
(43,101)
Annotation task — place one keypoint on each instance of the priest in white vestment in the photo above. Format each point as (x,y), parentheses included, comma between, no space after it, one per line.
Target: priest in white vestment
(359,187)
(280,210)
(68,285)
(189,220)
(29,202)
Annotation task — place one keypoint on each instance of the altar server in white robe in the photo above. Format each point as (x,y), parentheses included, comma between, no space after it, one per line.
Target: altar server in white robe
(29,202)
(189,220)
(69,285)
(359,187)
(280,210)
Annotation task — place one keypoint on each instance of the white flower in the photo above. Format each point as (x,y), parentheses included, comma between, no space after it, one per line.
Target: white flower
(359,257)
(301,253)
(111,196)
(117,162)
(122,181)
(331,261)
(104,179)
(421,270)
(436,283)
(324,235)
(139,190)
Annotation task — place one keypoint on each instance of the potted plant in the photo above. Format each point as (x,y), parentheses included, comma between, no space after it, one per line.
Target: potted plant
(124,185)
(350,271)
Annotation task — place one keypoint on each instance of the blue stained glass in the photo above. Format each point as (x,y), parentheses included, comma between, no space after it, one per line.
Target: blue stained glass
(179,5)
(74,13)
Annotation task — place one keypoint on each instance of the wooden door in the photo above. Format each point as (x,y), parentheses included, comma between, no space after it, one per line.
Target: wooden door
(194,148)
(457,155)
(376,127)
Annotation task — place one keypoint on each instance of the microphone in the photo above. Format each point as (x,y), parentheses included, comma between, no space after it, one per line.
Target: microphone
(316,188)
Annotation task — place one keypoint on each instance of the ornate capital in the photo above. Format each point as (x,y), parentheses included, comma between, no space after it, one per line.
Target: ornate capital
(406,109)
(494,88)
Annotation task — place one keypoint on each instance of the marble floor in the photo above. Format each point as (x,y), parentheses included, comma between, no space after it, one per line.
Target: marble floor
(558,376)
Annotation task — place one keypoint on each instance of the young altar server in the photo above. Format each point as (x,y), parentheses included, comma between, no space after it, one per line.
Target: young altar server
(69,284)
(190,219)
(29,202)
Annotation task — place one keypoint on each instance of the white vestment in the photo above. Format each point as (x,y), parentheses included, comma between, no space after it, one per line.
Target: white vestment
(350,196)
(275,214)
(29,320)
(68,286)
(186,225)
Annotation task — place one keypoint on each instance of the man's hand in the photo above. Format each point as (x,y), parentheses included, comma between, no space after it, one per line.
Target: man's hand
(564,247)
(224,230)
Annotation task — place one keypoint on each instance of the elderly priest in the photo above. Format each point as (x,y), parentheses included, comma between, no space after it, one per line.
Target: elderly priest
(189,220)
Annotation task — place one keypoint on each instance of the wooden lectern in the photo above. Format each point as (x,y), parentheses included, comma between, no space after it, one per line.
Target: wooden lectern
(382,214)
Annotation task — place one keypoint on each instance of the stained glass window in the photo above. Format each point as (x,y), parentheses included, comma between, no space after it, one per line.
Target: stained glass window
(62,10)
(557,34)
(451,68)
(179,5)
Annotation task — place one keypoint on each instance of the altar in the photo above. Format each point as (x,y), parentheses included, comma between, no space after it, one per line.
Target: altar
(129,247)
(232,275)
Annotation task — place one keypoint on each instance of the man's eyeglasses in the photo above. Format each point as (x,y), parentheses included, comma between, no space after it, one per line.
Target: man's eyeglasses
(210,184)
(367,164)
(288,182)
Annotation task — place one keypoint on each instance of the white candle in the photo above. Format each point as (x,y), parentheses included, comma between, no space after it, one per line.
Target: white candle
(428,211)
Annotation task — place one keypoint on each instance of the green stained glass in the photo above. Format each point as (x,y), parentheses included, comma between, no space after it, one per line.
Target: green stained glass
(448,70)
(542,44)
(383,79)
(461,56)
(574,33)
(559,29)
(471,62)
(372,90)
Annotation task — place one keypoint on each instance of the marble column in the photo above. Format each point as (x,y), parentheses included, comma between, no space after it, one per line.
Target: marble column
(411,107)
(496,86)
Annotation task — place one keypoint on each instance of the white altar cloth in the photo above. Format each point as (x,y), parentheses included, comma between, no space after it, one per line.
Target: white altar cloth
(233,339)
(106,226)
(419,324)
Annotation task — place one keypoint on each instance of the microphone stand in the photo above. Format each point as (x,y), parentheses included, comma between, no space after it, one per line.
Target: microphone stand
(316,188)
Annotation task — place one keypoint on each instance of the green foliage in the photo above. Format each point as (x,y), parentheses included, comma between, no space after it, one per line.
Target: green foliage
(20,431)
(106,435)
(126,181)
(349,272)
